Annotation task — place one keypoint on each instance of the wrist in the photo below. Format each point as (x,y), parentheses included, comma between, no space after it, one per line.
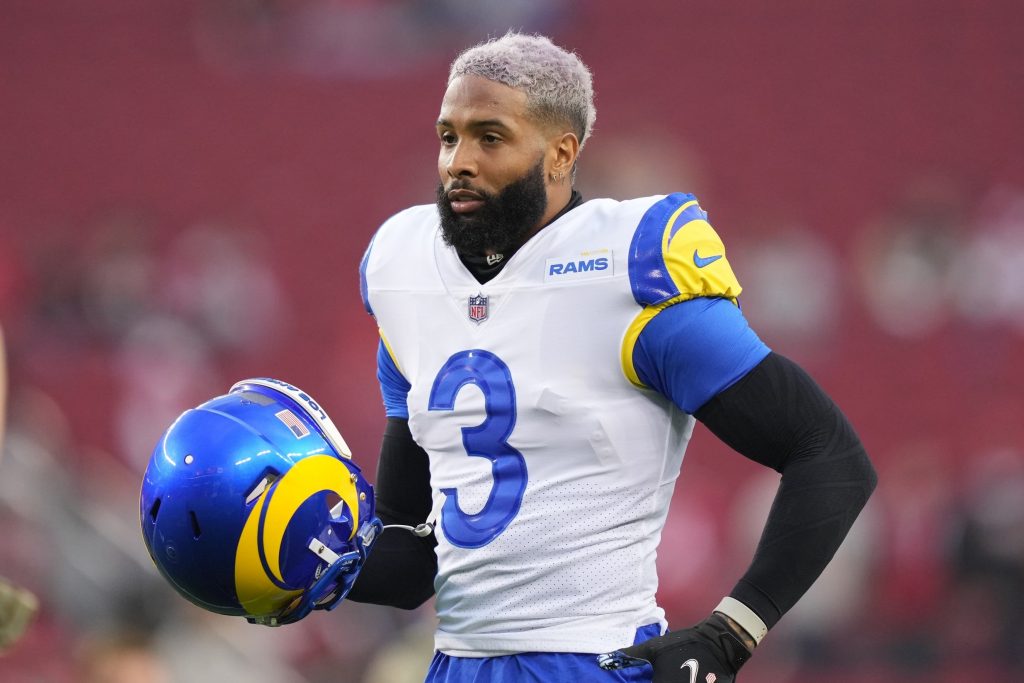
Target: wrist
(741,633)
(747,624)
(728,644)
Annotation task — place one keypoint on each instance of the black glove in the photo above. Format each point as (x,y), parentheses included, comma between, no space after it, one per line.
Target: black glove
(710,652)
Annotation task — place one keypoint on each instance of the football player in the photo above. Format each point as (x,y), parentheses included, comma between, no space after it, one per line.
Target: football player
(542,361)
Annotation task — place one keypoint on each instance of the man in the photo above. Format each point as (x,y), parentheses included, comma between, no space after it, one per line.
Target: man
(542,361)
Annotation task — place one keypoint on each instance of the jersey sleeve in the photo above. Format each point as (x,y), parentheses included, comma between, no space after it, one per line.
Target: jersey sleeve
(674,256)
(394,387)
(693,350)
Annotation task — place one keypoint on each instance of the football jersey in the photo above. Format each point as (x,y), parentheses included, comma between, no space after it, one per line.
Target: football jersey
(552,461)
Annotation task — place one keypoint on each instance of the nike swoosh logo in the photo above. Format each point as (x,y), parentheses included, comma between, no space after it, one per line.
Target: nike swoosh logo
(692,665)
(700,261)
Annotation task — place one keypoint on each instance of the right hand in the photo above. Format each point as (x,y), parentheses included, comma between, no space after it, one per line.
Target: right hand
(709,651)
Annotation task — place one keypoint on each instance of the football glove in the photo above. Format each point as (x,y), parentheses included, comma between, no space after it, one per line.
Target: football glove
(709,652)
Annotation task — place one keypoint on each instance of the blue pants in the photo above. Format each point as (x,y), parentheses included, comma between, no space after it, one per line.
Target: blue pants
(537,667)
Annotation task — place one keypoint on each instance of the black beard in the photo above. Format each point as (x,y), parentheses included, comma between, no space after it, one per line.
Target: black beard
(502,223)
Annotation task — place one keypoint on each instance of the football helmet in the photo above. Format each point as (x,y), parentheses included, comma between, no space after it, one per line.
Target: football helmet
(252,506)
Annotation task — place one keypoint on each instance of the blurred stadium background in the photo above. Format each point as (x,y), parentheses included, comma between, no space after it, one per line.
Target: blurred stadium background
(186,188)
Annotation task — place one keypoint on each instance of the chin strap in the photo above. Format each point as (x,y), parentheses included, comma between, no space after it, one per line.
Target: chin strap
(422,530)
(427,527)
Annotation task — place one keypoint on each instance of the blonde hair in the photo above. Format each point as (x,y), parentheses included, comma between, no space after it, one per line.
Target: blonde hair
(558,85)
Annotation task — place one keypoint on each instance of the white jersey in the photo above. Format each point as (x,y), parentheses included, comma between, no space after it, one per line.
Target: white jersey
(555,466)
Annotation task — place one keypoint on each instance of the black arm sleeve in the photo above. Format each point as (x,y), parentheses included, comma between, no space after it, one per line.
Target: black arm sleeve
(778,416)
(401,567)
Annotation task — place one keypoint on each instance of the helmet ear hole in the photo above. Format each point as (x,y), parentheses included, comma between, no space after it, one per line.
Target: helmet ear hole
(154,509)
(267,478)
(194,521)
(333,501)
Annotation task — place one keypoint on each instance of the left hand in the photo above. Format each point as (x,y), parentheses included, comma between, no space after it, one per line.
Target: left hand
(709,652)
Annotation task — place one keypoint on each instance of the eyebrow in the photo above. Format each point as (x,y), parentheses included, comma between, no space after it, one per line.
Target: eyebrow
(483,123)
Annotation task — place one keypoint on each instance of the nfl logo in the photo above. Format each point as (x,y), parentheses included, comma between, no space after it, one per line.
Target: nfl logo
(478,308)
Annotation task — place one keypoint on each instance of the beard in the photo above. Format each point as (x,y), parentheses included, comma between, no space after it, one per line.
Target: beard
(502,223)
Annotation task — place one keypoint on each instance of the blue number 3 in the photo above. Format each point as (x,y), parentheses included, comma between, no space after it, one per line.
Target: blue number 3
(488,440)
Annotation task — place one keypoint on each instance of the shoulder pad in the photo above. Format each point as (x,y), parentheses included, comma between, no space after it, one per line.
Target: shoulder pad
(676,255)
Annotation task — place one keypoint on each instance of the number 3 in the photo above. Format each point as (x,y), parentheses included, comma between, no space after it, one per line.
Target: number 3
(488,440)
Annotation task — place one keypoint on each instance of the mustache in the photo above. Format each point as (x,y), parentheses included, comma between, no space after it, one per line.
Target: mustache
(463,185)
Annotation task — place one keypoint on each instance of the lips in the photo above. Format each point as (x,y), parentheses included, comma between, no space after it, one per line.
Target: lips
(465,201)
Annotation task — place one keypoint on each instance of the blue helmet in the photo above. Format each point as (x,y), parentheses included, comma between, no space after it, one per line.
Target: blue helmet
(251,505)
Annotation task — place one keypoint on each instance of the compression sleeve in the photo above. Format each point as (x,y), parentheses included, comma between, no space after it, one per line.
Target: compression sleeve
(394,387)
(778,416)
(692,350)
(401,567)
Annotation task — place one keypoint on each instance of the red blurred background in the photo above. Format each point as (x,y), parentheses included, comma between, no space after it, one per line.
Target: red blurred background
(186,189)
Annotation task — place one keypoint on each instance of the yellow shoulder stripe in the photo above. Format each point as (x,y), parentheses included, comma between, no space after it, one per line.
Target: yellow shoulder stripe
(391,352)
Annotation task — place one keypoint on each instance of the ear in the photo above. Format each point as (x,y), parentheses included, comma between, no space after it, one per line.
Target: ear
(565,148)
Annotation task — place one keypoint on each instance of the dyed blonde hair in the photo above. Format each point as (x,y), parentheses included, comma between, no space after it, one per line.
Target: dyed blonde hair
(558,85)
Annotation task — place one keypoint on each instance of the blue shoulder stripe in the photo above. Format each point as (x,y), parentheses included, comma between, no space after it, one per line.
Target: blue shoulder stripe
(648,273)
(363,288)
(690,213)
(394,387)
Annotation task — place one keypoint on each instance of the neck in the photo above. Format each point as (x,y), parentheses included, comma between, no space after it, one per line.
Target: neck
(558,199)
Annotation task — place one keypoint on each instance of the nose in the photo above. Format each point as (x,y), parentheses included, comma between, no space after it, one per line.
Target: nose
(459,161)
